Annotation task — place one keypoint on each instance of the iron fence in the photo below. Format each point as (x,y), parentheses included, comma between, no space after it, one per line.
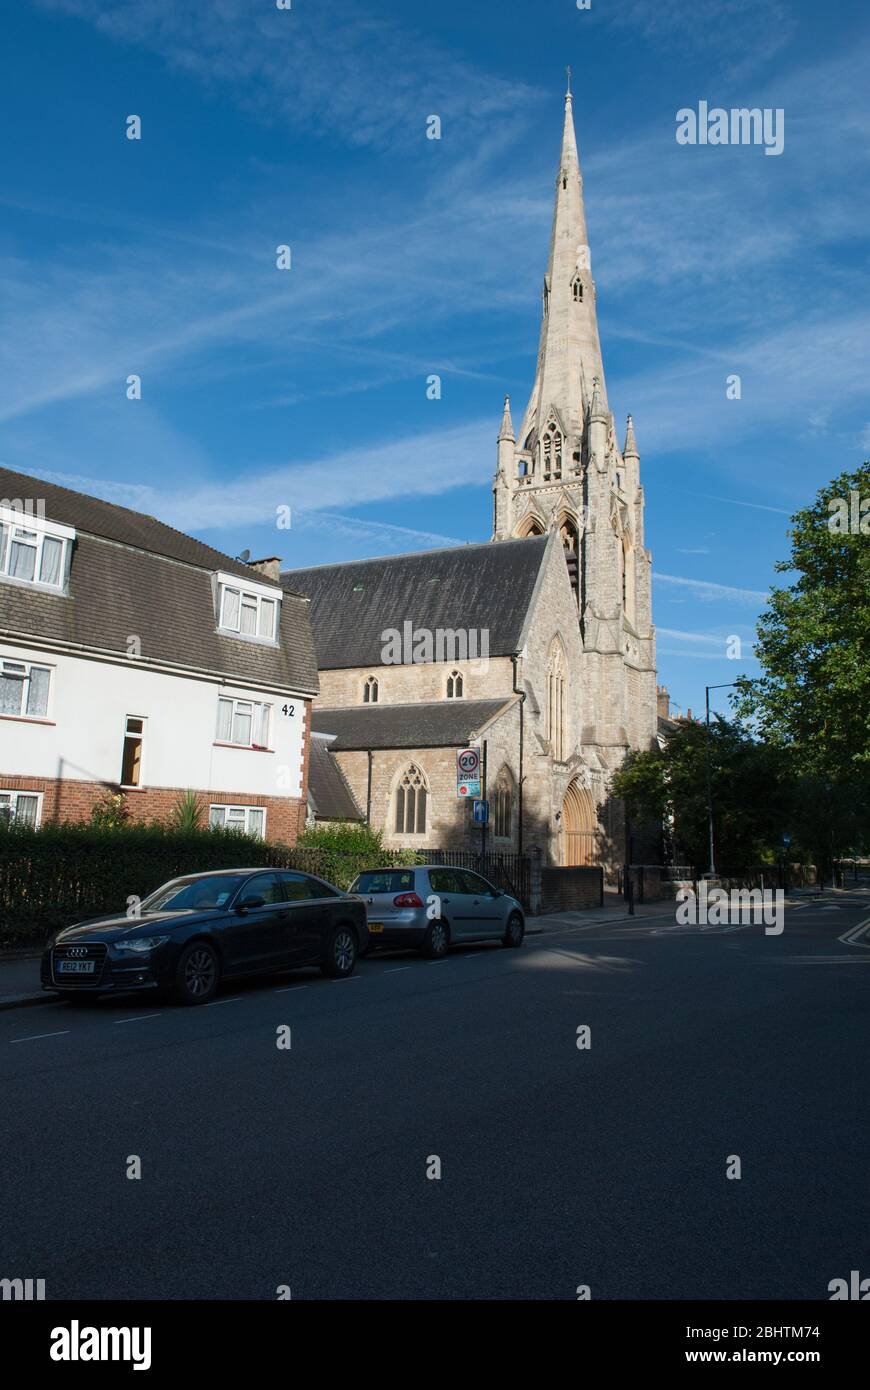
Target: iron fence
(510,872)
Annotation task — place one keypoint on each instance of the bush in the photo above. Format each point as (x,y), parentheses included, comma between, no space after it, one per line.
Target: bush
(61,874)
(339,852)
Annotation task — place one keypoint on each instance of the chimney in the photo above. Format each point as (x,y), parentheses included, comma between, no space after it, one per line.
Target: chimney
(663,701)
(270,568)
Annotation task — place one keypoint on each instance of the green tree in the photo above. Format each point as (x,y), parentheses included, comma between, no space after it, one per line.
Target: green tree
(813,696)
(752,796)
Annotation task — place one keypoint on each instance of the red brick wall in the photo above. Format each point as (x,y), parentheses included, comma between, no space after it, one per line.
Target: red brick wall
(70,800)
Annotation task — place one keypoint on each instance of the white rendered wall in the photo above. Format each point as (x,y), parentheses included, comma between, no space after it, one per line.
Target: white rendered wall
(83,734)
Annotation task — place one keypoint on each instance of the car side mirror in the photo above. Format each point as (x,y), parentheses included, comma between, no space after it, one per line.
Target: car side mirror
(249,903)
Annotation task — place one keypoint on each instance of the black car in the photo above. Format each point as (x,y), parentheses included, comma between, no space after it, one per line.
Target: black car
(203,928)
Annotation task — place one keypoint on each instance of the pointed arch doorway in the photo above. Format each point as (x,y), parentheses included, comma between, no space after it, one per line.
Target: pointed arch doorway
(578,828)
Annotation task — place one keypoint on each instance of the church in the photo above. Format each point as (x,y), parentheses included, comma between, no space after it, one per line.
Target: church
(536,648)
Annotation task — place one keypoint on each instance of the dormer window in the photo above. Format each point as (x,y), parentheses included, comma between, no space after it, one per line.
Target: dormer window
(247,610)
(33,551)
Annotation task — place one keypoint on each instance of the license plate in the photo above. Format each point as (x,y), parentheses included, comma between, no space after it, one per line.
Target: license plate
(75,967)
(376,926)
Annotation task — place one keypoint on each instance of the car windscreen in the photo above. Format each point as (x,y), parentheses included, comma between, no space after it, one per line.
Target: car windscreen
(384,881)
(193,894)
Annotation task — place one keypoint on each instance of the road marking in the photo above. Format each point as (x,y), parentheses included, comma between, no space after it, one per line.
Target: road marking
(236,999)
(287,989)
(394,968)
(348,979)
(136,1018)
(435,962)
(850,938)
(34,1036)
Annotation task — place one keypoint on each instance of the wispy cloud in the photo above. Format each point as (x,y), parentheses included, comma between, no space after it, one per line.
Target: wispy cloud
(706,589)
(311,488)
(335,67)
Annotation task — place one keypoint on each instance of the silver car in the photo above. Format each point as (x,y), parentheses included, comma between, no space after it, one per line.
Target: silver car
(432,906)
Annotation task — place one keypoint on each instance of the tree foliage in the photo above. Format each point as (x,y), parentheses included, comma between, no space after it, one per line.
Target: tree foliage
(751,794)
(813,696)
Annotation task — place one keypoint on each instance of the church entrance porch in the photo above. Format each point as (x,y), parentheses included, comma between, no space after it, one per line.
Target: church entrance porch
(579,836)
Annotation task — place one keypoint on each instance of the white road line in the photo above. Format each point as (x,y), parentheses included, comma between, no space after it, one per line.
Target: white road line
(348,980)
(850,937)
(288,989)
(216,1003)
(394,968)
(135,1018)
(34,1036)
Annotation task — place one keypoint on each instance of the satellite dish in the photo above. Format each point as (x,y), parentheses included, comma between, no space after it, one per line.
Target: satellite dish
(244,557)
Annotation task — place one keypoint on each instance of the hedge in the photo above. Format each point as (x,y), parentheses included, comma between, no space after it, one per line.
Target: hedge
(61,874)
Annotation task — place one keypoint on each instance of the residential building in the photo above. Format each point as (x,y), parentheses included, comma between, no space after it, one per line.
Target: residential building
(135,659)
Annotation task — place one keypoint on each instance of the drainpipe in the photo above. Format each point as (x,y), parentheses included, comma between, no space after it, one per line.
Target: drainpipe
(369,792)
(522,695)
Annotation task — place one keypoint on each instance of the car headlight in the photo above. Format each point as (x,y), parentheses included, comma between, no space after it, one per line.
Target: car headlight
(141,944)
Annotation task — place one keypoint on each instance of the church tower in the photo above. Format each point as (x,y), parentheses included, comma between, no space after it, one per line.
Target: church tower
(564,470)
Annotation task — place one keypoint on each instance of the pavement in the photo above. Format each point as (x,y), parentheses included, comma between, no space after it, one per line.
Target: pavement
(433,1130)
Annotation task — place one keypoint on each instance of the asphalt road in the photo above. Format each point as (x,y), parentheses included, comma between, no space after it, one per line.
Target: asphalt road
(307,1167)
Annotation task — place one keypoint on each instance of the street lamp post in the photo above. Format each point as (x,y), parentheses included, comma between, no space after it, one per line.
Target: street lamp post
(707,688)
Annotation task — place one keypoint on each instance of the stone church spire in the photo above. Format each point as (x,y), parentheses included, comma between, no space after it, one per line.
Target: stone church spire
(569,352)
(564,473)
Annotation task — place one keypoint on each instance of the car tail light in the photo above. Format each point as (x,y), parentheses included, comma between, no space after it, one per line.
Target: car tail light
(408,900)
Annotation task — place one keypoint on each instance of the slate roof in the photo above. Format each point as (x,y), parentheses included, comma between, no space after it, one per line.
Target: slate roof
(441,724)
(329,793)
(487,587)
(133,575)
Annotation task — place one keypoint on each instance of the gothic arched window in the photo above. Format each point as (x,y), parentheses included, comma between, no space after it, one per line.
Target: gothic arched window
(556,701)
(577,289)
(503,807)
(551,451)
(411,803)
(370,691)
(455,687)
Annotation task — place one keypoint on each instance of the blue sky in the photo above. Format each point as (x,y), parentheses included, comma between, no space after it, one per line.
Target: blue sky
(307,388)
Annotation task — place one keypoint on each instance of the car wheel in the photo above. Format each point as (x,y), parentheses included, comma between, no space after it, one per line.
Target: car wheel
(514,931)
(339,958)
(198,974)
(436,940)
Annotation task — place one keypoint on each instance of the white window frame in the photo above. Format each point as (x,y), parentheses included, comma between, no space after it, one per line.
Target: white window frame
(226,811)
(25,688)
(266,724)
(131,734)
(33,531)
(259,594)
(13,802)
